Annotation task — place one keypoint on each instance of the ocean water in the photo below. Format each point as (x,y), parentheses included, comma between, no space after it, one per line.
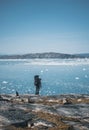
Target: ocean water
(59,76)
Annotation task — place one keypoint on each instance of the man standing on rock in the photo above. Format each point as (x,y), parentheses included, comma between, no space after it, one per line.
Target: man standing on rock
(37,83)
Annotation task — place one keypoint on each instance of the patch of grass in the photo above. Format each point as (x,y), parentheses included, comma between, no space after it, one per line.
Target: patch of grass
(54,119)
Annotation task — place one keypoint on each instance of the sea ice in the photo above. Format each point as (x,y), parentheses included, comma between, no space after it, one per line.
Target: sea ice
(84,69)
(3,88)
(46,69)
(76,78)
(86,76)
(42,71)
(4,82)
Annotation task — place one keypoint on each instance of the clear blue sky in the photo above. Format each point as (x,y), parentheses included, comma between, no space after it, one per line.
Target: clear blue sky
(28,26)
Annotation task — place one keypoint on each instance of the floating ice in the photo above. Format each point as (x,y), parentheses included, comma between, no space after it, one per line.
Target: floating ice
(41,71)
(71,62)
(10,83)
(4,82)
(76,78)
(84,69)
(3,88)
(46,69)
(13,90)
(86,76)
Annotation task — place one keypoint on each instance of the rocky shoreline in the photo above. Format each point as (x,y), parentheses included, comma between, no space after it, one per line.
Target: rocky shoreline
(56,112)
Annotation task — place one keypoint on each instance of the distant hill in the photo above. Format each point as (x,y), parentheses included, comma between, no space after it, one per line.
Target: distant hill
(44,55)
(84,55)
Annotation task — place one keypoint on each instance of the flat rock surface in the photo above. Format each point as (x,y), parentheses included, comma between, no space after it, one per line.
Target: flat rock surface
(66,112)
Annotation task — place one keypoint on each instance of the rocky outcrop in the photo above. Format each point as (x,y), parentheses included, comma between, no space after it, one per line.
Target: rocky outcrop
(58,112)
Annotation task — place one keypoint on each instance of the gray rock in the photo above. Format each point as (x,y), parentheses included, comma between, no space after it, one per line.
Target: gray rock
(20,113)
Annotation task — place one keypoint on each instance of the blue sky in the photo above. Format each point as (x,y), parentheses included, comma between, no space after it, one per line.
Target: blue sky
(28,26)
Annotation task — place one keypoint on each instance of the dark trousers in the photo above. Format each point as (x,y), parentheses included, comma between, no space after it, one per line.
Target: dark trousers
(37,90)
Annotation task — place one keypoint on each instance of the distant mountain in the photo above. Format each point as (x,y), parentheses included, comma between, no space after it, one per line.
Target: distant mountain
(44,55)
(83,55)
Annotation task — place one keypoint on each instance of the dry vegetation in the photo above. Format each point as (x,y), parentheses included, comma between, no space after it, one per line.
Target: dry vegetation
(58,120)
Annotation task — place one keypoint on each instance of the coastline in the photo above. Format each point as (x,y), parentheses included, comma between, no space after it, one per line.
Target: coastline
(64,112)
